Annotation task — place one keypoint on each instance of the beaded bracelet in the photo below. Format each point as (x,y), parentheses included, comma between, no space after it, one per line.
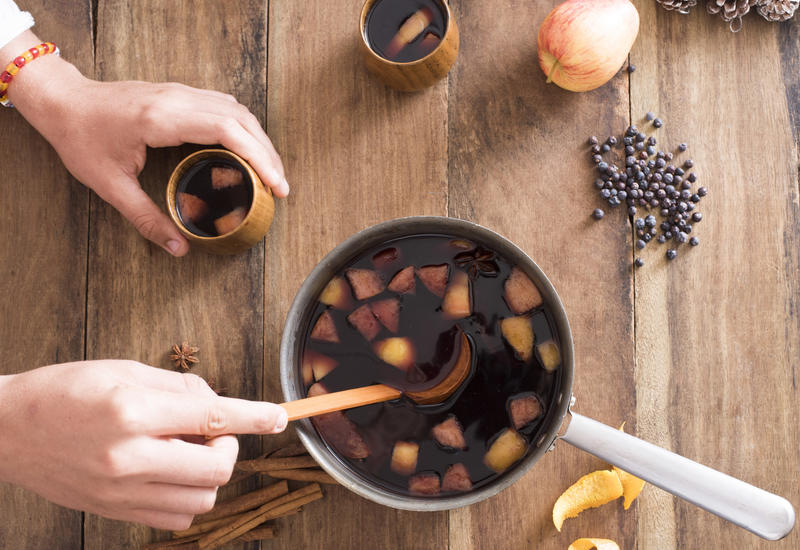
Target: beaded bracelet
(13,68)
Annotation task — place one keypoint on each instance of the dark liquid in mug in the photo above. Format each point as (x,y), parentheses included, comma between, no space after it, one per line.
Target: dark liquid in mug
(216,203)
(481,407)
(387,17)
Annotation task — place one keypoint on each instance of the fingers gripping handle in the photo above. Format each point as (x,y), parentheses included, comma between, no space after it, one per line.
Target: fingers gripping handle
(763,513)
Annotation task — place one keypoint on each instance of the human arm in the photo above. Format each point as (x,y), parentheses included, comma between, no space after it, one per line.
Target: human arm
(101,131)
(124,440)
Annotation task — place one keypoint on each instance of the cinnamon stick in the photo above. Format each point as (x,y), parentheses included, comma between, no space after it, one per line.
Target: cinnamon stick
(295,449)
(260,533)
(245,502)
(285,463)
(303,475)
(249,520)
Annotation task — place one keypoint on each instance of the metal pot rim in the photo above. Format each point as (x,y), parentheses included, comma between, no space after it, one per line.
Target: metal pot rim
(330,265)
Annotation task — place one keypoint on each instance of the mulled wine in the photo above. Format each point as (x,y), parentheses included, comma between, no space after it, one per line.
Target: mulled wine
(213,197)
(405,30)
(395,316)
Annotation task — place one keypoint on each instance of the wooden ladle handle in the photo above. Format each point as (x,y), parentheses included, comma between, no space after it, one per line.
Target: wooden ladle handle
(340,400)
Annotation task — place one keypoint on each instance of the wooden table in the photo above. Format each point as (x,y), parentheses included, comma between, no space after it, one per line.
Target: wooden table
(699,355)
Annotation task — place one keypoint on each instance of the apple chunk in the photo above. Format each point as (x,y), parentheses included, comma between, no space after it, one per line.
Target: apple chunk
(450,434)
(317,389)
(424,484)
(223,177)
(549,354)
(456,303)
(366,283)
(456,478)
(434,277)
(404,457)
(398,352)
(306,371)
(230,221)
(505,451)
(520,293)
(404,282)
(524,410)
(387,312)
(342,434)
(385,257)
(320,365)
(325,329)
(366,323)
(337,294)
(518,332)
(191,208)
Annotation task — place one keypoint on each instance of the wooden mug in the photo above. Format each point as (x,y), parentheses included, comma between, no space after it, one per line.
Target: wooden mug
(418,74)
(247,233)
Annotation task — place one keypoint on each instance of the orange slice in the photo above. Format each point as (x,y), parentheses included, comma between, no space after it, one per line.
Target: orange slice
(590,491)
(594,544)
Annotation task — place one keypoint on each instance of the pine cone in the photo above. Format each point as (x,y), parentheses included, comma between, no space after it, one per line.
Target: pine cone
(777,10)
(731,10)
(681,6)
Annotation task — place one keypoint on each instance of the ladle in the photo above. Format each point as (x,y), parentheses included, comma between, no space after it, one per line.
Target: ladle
(376,393)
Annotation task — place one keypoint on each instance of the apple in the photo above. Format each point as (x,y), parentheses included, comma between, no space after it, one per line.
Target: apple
(583,43)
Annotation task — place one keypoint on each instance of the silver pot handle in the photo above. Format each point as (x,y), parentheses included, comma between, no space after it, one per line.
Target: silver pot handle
(765,514)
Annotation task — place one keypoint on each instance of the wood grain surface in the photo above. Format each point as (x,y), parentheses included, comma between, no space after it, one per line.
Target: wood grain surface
(356,153)
(519,164)
(717,330)
(141,301)
(699,355)
(42,311)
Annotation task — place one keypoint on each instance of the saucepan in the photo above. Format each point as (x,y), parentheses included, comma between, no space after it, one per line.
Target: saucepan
(765,514)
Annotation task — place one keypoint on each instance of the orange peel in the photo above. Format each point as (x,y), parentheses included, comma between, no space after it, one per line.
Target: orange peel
(590,491)
(594,544)
(631,485)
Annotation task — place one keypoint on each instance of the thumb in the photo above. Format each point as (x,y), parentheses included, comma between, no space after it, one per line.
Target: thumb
(129,198)
(185,413)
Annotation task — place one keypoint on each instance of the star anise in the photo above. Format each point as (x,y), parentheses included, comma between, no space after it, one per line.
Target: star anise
(478,261)
(183,355)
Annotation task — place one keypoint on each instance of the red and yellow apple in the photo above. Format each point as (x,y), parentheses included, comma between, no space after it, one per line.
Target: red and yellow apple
(583,43)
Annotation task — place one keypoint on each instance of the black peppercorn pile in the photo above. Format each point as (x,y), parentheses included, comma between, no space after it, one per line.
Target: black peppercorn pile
(649,182)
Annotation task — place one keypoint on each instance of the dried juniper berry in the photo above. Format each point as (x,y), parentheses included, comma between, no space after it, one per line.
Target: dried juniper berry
(631,68)
(640,244)
(612,141)
(688,163)
(658,123)
(682,147)
(702,191)
(649,116)
(672,254)
(696,217)
(638,262)
(694,241)
(593,140)
(605,148)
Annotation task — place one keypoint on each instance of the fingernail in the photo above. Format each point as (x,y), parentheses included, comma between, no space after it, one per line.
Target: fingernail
(283,187)
(283,420)
(173,246)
